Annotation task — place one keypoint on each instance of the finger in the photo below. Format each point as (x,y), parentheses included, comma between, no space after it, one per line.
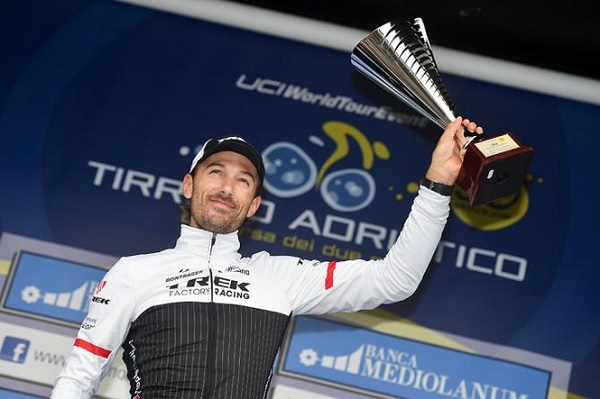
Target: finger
(455,127)
(461,139)
(471,126)
(451,131)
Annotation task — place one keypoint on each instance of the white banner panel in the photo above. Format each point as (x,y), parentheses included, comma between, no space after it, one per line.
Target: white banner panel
(37,356)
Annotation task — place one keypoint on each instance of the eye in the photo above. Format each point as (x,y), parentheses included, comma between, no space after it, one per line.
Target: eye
(244,180)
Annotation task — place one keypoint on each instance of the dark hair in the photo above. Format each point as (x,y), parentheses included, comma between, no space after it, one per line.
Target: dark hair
(185,211)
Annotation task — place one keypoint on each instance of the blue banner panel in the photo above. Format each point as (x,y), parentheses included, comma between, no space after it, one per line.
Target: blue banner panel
(8,394)
(365,360)
(55,289)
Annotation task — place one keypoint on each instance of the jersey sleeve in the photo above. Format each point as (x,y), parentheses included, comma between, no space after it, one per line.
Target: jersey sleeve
(99,337)
(320,287)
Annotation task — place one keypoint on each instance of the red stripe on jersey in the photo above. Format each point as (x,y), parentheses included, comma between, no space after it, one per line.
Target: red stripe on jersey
(329,278)
(88,346)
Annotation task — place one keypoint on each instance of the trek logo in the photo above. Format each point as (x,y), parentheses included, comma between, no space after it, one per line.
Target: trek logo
(202,286)
(100,300)
(14,349)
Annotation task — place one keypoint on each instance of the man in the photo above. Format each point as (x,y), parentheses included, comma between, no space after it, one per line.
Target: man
(200,321)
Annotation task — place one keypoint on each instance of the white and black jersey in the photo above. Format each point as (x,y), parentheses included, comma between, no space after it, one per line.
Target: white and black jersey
(201,321)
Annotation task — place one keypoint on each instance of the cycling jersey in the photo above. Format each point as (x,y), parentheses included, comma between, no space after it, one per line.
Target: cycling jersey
(201,321)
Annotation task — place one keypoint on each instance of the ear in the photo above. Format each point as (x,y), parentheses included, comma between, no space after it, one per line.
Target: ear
(254,206)
(187,186)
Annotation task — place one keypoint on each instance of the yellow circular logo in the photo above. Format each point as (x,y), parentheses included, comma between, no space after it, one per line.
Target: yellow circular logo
(495,215)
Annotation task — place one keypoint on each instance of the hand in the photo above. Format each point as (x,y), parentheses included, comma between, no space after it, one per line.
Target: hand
(449,152)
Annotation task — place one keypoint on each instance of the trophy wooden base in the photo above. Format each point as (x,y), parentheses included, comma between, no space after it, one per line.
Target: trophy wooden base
(494,168)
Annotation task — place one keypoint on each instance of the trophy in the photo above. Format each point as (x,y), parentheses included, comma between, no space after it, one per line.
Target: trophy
(398,57)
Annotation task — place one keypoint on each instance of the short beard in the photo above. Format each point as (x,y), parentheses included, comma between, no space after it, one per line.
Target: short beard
(216,225)
(217,228)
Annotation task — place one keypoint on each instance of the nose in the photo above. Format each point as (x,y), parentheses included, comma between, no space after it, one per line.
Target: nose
(227,185)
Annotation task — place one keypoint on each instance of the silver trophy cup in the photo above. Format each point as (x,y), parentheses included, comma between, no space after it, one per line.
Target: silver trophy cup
(398,57)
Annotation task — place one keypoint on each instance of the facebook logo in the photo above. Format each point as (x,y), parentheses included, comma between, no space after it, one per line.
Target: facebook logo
(14,349)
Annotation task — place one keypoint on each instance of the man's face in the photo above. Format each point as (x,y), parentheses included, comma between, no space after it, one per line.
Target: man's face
(222,192)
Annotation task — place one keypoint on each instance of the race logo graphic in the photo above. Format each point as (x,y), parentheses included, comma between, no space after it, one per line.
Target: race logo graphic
(14,349)
(291,172)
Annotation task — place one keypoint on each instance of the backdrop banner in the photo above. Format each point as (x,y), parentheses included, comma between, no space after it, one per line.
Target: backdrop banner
(102,108)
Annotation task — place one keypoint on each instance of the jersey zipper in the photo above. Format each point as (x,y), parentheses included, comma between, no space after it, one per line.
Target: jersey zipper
(213,240)
(211,311)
